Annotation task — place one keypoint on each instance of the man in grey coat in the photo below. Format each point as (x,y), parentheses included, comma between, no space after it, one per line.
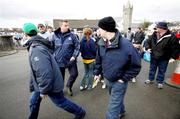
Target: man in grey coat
(45,79)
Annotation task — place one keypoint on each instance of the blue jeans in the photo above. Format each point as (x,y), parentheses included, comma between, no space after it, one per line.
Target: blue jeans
(58,99)
(161,65)
(116,106)
(88,75)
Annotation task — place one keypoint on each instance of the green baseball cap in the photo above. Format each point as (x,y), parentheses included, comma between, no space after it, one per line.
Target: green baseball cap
(30,29)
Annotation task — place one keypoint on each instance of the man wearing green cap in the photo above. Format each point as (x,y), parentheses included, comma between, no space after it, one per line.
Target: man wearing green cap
(46,80)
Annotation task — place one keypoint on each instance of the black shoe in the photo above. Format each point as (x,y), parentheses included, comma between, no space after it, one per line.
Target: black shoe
(81,116)
(70,91)
(122,115)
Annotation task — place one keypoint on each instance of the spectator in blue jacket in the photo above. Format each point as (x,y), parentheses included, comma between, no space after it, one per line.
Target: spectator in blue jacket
(66,52)
(46,80)
(88,53)
(118,61)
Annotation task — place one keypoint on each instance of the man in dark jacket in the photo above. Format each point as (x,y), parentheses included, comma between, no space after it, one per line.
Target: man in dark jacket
(118,61)
(139,36)
(137,41)
(129,34)
(164,48)
(66,52)
(45,79)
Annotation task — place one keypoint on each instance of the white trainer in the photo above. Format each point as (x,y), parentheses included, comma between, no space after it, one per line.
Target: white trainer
(83,88)
(147,81)
(134,80)
(103,86)
(160,85)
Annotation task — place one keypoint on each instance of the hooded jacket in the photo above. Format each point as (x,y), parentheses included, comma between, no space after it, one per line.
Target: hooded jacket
(45,76)
(66,46)
(120,60)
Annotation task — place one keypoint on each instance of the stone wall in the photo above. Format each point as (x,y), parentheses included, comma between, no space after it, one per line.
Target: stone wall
(6,43)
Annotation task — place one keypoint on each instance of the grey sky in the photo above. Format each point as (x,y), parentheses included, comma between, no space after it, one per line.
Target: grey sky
(14,13)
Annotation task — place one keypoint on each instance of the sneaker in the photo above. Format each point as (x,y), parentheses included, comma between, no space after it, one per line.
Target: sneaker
(102,81)
(160,85)
(81,116)
(70,93)
(83,87)
(122,115)
(147,81)
(103,86)
(89,88)
(133,80)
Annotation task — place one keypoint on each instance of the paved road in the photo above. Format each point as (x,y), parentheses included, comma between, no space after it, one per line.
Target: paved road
(142,101)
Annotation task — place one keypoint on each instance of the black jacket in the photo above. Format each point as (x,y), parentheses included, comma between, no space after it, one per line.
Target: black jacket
(165,48)
(139,37)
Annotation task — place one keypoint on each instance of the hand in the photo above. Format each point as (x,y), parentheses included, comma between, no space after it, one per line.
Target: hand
(149,50)
(43,96)
(96,77)
(72,59)
(136,45)
(172,60)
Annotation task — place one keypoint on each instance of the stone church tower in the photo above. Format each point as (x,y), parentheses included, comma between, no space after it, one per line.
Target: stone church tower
(127,16)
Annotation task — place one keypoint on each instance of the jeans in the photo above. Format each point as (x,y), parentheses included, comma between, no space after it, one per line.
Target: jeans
(161,65)
(58,99)
(88,75)
(35,101)
(116,106)
(73,72)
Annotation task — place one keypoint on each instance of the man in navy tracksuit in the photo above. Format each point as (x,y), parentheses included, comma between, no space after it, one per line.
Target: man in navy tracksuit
(45,79)
(66,52)
(118,61)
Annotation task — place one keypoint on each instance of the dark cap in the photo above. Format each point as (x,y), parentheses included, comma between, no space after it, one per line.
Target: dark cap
(107,24)
(162,25)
